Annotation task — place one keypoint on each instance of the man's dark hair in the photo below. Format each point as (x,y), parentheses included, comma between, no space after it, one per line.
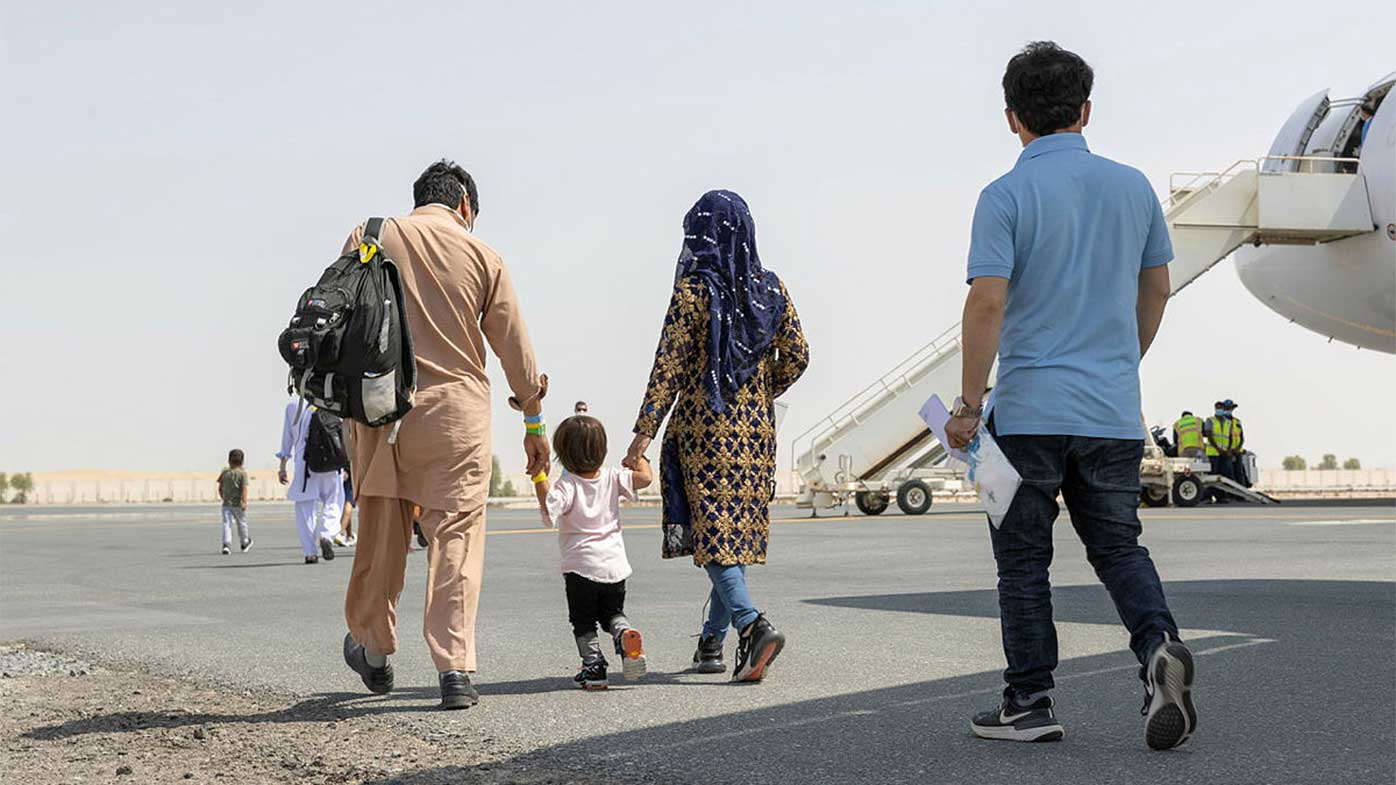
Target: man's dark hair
(580,443)
(235,458)
(445,182)
(1045,87)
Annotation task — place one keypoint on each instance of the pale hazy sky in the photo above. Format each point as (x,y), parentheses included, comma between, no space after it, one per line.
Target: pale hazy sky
(175,173)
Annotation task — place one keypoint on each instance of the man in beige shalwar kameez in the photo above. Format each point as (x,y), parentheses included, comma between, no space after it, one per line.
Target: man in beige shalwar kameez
(458,295)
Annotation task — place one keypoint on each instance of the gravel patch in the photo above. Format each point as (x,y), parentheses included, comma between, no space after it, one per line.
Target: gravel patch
(67,721)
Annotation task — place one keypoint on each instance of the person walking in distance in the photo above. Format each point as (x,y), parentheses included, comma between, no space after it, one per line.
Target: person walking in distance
(315,487)
(458,297)
(232,489)
(1068,274)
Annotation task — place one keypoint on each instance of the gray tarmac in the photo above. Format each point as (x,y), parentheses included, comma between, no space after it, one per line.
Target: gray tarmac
(893,635)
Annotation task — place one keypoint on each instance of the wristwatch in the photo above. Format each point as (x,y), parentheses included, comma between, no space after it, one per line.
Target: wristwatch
(962,409)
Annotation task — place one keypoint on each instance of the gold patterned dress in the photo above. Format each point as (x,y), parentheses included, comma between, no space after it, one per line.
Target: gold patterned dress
(727,461)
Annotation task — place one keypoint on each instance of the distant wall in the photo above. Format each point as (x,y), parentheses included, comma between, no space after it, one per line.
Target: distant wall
(1338,481)
(136,487)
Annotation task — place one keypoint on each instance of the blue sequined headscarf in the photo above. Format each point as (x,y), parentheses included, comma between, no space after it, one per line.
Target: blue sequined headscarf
(746,303)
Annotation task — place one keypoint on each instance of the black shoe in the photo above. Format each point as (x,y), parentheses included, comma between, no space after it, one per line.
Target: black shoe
(759,645)
(327,550)
(1171,716)
(312,560)
(456,690)
(708,657)
(1011,722)
(378,680)
(226,550)
(246,546)
(592,677)
(421,538)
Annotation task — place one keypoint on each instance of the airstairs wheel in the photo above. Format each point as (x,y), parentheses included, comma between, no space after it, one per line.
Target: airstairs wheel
(1187,491)
(871,502)
(1154,497)
(914,498)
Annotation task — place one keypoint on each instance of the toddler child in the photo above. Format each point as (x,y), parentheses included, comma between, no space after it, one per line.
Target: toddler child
(584,504)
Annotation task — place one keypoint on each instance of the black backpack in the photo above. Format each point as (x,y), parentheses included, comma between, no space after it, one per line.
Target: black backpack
(324,443)
(348,344)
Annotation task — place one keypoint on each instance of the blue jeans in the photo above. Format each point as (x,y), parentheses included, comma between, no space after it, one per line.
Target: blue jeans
(1099,480)
(730,603)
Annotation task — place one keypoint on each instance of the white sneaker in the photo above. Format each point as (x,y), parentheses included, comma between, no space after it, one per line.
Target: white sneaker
(352,540)
(339,540)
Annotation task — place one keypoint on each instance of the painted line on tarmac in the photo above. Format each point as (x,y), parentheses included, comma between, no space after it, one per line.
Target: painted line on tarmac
(1348,522)
(844,715)
(802,519)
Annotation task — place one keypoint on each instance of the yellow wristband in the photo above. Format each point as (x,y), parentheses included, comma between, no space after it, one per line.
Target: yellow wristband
(540,477)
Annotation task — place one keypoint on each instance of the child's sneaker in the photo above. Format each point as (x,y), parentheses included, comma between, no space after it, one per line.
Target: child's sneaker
(227,550)
(631,648)
(592,677)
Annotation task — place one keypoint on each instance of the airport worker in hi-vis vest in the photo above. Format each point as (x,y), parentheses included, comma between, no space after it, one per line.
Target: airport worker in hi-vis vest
(1217,432)
(1238,444)
(1187,435)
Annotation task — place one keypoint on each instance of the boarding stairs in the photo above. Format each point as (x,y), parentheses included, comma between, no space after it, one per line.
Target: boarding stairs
(875,441)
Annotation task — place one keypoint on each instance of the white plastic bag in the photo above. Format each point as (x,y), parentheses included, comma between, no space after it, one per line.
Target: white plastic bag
(994,478)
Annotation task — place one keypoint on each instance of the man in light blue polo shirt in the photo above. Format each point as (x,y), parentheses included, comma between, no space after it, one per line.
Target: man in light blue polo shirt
(1068,272)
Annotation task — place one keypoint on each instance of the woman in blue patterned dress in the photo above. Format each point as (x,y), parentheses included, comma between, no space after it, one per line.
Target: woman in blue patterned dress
(731,345)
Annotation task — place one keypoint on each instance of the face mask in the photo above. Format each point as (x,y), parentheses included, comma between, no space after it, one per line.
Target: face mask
(1221,412)
(685,261)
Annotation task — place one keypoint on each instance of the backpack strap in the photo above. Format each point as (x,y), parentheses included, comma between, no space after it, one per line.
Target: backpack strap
(371,245)
(373,228)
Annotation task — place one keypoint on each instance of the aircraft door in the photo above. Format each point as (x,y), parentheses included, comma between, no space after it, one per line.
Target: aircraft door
(1294,134)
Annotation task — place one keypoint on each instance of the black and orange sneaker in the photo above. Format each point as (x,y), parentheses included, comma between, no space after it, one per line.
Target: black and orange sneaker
(630,645)
(759,646)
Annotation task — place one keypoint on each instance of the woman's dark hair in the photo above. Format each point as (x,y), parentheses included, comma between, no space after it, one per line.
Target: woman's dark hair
(580,443)
(1045,87)
(445,182)
(235,458)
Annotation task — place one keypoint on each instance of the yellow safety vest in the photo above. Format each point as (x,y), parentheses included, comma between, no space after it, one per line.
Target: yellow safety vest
(1221,432)
(1189,431)
(1236,433)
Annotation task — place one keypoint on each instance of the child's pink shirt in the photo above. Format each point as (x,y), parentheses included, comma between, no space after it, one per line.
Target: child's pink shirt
(587,516)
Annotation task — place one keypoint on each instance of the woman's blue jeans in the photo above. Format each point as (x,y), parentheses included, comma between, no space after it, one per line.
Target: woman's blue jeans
(730,603)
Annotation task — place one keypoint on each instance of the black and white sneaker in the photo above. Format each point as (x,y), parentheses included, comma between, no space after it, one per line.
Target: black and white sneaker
(226,550)
(1011,722)
(592,677)
(758,647)
(247,546)
(1170,717)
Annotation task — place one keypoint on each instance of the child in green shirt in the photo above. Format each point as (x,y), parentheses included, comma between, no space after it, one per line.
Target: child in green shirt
(232,489)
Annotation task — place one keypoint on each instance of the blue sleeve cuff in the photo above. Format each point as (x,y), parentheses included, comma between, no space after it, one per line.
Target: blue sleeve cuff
(989,270)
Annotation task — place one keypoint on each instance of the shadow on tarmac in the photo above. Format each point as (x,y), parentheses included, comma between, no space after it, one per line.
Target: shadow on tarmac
(1304,693)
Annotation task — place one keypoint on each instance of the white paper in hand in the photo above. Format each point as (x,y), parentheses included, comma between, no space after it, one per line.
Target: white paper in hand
(994,478)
